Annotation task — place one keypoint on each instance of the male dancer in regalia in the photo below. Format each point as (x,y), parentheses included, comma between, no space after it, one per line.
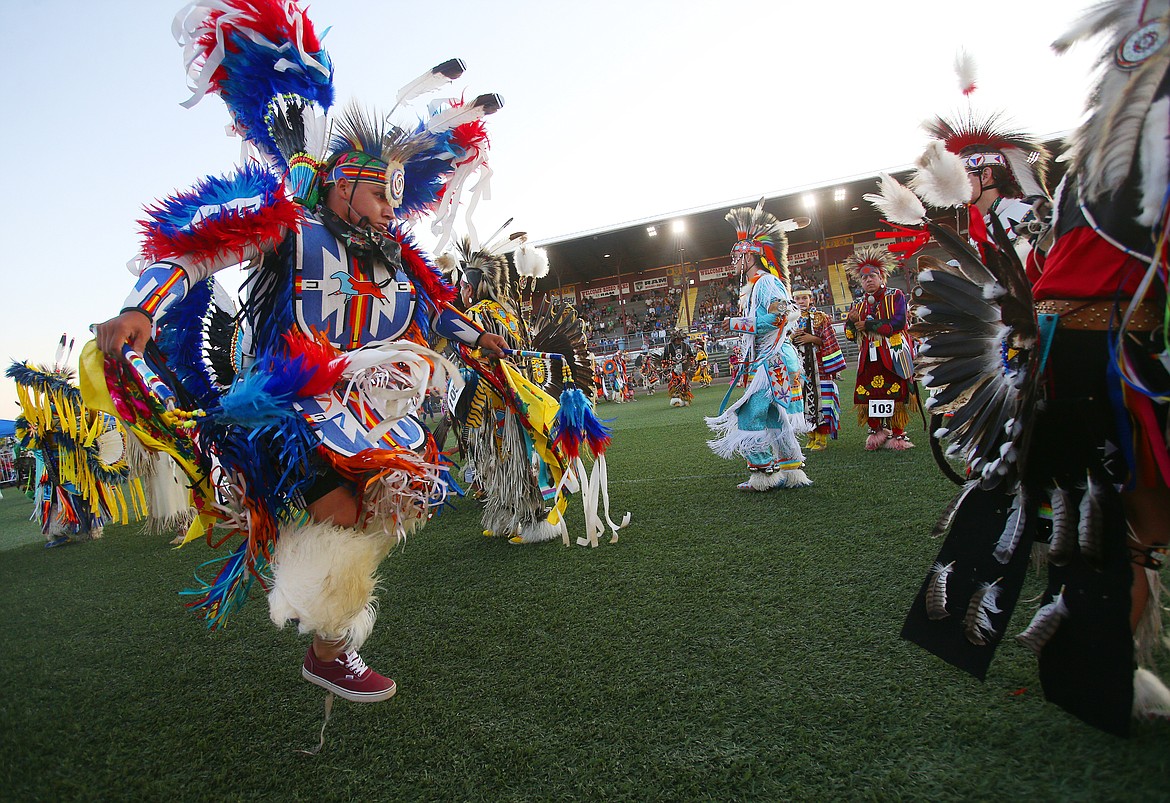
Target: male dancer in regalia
(678,359)
(1059,407)
(885,362)
(340,303)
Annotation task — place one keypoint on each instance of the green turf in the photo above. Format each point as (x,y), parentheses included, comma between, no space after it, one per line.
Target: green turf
(15,527)
(731,646)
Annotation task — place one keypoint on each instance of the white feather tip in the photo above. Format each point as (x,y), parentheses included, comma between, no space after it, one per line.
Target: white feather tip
(965,71)
(896,202)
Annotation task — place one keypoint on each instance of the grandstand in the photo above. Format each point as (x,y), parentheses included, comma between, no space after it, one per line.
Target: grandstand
(636,281)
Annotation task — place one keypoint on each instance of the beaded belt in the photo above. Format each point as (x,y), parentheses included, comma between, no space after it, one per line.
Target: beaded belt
(1096,316)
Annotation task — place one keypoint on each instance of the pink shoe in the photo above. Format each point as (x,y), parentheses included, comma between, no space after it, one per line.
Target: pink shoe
(876,439)
(348,677)
(899,443)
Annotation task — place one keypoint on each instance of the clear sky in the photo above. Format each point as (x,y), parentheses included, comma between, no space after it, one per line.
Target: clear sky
(614,111)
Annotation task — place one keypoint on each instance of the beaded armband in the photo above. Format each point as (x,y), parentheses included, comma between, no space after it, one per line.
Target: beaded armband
(743,325)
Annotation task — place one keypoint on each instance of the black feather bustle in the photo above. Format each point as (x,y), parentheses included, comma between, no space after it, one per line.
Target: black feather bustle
(956,371)
(940,309)
(948,282)
(970,263)
(220,328)
(981,398)
(556,328)
(956,320)
(951,394)
(949,345)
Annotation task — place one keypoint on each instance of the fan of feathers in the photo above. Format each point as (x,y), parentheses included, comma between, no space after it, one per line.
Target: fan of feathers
(978,354)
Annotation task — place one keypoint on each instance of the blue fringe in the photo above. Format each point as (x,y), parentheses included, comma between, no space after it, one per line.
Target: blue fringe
(576,421)
(228,592)
(453,487)
(426,308)
(180,339)
(268,309)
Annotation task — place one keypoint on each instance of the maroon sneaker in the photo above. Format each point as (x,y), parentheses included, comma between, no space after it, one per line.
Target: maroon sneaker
(348,677)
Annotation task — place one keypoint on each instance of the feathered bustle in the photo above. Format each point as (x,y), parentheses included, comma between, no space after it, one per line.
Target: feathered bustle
(250,52)
(977,326)
(556,328)
(249,209)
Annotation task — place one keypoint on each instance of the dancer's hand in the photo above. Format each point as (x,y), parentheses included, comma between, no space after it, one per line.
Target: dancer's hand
(131,327)
(493,344)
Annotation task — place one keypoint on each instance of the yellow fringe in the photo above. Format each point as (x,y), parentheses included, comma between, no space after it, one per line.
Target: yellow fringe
(900,418)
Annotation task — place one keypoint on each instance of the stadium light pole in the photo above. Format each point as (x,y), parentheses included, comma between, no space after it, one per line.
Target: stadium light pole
(810,205)
(679,227)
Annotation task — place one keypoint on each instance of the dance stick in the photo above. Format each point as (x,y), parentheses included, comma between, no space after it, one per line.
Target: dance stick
(156,386)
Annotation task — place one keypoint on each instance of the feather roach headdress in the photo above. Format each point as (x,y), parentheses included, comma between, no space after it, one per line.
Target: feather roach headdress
(869,258)
(762,233)
(1128,104)
(415,165)
(487,271)
(986,141)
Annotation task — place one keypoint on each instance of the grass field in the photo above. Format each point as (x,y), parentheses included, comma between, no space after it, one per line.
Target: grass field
(730,647)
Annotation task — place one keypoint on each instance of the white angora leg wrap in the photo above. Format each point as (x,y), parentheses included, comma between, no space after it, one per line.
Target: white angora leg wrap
(323,576)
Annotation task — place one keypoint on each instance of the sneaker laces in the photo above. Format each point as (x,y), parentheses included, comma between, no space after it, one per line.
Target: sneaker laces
(354,663)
